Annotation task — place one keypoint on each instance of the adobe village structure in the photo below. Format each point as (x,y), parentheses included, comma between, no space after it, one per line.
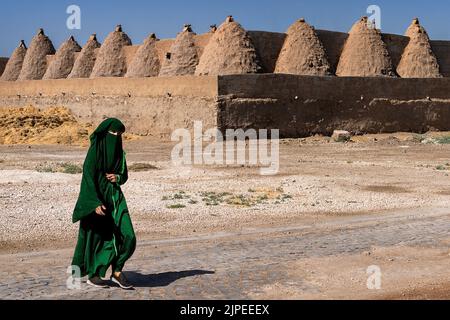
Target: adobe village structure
(303,82)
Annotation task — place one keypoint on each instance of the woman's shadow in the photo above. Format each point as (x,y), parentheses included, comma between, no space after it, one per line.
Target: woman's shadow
(140,280)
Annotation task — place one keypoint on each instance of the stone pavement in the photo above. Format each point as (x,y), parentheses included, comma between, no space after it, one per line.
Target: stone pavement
(225,265)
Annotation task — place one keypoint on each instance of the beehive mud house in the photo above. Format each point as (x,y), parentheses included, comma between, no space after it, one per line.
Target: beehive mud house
(302,82)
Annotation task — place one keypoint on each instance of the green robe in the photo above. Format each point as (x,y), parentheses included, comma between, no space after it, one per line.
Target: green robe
(109,240)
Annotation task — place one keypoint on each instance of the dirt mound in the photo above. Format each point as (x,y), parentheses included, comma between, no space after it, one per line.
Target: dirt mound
(145,62)
(418,59)
(14,65)
(31,125)
(302,52)
(85,61)
(365,54)
(35,62)
(62,64)
(111,60)
(229,51)
(183,57)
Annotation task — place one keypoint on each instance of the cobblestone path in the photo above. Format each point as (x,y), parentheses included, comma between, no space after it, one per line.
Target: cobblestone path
(224,265)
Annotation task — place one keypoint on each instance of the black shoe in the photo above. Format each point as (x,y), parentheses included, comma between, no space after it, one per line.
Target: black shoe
(97,282)
(121,281)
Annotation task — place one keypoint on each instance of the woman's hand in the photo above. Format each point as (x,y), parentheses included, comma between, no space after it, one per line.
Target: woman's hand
(100,210)
(111,177)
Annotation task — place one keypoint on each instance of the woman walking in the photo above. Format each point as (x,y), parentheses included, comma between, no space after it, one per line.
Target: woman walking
(106,236)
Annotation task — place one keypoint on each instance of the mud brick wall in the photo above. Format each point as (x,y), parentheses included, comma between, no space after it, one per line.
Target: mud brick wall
(3,62)
(301,106)
(297,105)
(268,46)
(150,106)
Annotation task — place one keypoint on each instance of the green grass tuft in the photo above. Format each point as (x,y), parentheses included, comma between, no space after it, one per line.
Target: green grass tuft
(141,167)
(176,206)
(443,140)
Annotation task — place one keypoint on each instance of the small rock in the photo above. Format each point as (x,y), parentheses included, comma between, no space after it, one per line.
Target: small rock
(341,136)
(429,141)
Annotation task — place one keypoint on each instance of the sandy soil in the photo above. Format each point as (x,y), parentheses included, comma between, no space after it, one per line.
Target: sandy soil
(406,273)
(318,180)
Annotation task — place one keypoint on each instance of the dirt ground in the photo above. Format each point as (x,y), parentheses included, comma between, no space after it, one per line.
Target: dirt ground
(319,182)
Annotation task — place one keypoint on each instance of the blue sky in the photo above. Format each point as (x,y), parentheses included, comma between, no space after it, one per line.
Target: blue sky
(19,19)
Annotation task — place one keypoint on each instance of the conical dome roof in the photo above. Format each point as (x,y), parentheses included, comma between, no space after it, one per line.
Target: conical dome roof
(14,65)
(85,61)
(111,60)
(418,59)
(229,51)
(365,54)
(303,53)
(145,63)
(35,62)
(63,61)
(415,28)
(183,57)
